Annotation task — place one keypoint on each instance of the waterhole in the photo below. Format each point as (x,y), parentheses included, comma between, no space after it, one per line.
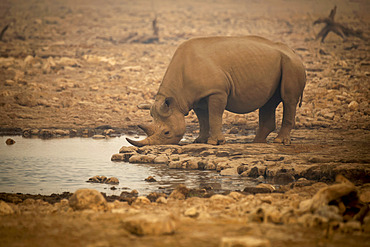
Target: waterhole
(38,166)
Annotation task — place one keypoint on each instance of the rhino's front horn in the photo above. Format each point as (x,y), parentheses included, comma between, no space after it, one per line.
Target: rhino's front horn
(139,143)
(148,129)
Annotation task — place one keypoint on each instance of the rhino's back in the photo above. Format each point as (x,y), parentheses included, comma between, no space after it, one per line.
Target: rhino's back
(221,46)
(248,68)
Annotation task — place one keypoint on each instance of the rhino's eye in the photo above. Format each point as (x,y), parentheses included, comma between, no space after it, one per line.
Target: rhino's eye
(167,133)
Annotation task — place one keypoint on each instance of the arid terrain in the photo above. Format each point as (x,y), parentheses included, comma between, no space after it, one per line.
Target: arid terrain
(69,67)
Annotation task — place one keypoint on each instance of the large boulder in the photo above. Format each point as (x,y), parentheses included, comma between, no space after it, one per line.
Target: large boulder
(88,199)
(150,224)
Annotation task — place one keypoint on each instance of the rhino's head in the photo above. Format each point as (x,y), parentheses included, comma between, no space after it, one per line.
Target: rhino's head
(168,126)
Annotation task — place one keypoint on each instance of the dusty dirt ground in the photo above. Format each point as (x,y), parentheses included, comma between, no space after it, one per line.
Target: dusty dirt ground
(75,65)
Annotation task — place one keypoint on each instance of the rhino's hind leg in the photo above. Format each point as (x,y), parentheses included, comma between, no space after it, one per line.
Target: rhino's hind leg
(203,118)
(216,106)
(267,121)
(289,111)
(292,84)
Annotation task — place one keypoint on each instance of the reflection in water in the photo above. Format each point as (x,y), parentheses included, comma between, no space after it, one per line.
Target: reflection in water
(39,166)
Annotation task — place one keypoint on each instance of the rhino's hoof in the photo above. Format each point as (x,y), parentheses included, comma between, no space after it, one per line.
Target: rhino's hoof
(284,140)
(259,141)
(201,140)
(216,142)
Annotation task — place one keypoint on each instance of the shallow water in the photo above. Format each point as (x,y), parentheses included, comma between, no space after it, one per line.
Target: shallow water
(38,166)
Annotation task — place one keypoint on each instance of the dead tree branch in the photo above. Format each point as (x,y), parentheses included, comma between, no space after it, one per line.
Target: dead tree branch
(337,28)
(3,31)
(155,27)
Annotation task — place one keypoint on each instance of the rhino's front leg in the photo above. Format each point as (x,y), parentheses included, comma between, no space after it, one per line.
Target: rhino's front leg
(203,118)
(216,107)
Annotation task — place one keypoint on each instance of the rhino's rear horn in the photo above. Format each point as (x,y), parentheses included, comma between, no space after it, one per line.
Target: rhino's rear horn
(148,129)
(165,108)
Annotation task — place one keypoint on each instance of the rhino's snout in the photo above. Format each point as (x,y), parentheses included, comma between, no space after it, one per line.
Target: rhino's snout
(157,137)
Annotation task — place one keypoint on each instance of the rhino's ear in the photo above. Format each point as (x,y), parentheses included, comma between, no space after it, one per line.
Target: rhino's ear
(165,109)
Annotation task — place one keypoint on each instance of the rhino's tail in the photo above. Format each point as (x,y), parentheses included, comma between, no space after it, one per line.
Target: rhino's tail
(300,100)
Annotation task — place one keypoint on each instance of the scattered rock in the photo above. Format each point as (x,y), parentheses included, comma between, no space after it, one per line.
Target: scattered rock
(267,186)
(153,196)
(353,106)
(229,172)
(112,180)
(180,193)
(142,158)
(103,179)
(255,190)
(122,157)
(244,241)
(128,149)
(98,137)
(150,179)
(161,200)
(5,209)
(221,199)
(161,159)
(350,227)
(141,200)
(336,201)
(144,106)
(283,178)
(88,199)
(9,141)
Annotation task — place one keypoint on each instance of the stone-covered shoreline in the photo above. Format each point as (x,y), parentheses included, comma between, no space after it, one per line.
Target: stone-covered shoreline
(319,160)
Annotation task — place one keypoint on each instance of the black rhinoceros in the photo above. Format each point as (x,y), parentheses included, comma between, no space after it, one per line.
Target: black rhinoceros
(239,74)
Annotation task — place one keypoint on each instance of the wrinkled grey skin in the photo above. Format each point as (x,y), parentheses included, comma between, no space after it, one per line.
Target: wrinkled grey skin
(239,74)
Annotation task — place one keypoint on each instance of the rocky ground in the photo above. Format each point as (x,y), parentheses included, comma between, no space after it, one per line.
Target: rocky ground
(69,67)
